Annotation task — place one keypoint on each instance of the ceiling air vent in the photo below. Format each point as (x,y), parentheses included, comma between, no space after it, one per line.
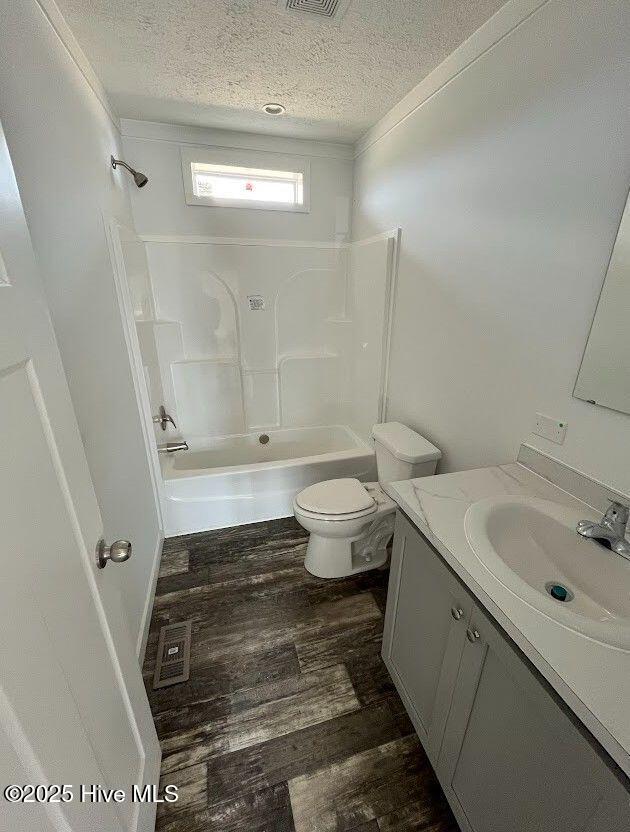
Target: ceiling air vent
(326,9)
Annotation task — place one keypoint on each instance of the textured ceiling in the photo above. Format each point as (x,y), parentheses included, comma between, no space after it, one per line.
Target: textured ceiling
(216,62)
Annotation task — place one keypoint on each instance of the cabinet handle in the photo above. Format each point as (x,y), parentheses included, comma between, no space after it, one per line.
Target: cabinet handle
(472,635)
(457,613)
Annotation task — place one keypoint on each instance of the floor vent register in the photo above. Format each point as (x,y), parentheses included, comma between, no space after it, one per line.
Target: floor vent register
(173,659)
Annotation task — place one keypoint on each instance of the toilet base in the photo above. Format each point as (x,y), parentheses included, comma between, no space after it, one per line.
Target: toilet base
(334,557)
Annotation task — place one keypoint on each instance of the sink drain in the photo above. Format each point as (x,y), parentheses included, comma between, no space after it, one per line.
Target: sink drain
(559,592)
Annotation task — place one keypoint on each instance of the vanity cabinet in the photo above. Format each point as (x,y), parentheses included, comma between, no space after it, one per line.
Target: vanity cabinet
(509,756)
(428,611)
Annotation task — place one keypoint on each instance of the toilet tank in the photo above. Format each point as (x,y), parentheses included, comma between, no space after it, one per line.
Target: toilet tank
(402,454)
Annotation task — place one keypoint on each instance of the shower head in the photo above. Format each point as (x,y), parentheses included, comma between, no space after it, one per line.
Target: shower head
(139,178)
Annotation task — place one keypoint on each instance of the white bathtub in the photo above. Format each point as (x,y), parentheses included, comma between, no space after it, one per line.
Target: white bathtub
(236,480)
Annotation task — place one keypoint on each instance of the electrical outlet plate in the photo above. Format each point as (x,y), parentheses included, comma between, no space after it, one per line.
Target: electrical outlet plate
(552,429)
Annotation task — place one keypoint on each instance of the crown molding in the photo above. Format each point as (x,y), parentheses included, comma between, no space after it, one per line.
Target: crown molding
(213,137)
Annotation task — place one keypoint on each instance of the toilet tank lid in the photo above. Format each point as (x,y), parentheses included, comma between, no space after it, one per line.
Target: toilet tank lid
(405,443)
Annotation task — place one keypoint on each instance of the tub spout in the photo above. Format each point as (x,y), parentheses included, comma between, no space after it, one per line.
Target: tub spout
(171,447)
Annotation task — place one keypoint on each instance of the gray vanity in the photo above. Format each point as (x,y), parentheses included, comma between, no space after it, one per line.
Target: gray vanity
(506,744)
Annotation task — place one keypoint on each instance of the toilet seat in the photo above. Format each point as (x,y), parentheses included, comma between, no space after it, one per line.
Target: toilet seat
(341,499)
(335,518)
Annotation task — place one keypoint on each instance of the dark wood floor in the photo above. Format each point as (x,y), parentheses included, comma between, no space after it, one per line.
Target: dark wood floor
(290,722)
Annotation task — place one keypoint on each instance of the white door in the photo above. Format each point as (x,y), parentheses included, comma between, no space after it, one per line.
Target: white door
(72,705)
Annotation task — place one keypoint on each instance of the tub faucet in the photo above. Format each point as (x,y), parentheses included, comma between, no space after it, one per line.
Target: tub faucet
(171,447)
(162,419)
(611,529)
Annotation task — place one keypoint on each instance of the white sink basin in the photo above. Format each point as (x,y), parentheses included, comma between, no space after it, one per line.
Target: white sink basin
(530,545)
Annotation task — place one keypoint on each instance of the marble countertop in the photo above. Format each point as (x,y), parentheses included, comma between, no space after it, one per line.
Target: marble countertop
(592,678)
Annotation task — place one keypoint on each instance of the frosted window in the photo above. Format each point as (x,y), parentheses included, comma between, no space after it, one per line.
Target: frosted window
(232,184)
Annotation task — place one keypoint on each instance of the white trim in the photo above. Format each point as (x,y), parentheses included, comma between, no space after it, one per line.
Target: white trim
(146,812)
(390,312)
(123,295)
(499,26)
(64,33)
(145,622)
(384,235)
(112,232)
(214,137)
(238,241)
(391,281)
(201,240)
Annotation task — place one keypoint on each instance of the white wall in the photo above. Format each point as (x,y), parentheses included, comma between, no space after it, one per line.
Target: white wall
(155,150)
(509,182)
(61,137)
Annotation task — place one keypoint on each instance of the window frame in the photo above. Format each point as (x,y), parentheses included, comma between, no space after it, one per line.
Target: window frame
(243,158)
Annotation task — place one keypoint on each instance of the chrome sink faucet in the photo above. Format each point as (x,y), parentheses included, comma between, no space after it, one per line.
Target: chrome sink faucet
(611,529)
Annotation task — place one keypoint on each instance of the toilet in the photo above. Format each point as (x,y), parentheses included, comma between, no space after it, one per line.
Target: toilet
(352,522)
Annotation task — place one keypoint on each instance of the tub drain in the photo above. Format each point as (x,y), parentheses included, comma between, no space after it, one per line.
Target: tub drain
(559,592)
(263,438)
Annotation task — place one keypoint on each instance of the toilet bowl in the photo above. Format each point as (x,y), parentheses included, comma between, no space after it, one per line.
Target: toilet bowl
(350,522)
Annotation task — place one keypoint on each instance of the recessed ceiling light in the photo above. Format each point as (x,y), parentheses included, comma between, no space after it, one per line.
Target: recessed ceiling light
(274,109)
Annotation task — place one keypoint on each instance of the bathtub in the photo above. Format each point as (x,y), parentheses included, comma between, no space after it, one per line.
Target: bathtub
(231,481)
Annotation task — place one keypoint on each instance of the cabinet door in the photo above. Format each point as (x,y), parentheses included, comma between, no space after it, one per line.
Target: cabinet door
(512,760)
(425,624)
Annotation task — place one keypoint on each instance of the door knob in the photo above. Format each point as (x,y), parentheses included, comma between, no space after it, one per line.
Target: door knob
(118,552)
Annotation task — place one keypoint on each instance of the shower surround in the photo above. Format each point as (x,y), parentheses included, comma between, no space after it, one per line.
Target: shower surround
(241,338)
